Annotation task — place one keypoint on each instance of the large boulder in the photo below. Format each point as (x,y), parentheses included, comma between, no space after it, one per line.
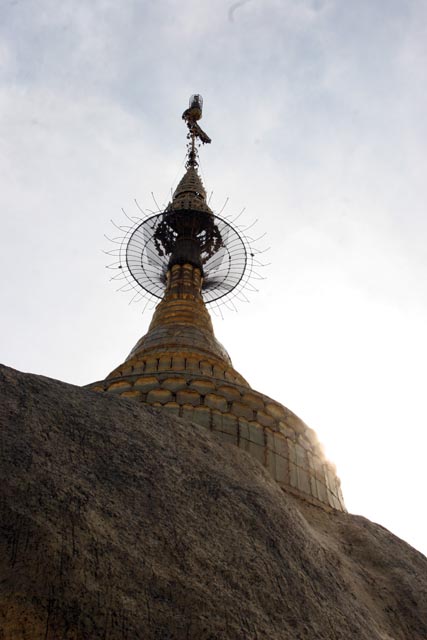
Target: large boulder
(118,521)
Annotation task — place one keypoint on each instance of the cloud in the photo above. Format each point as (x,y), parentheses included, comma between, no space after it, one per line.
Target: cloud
(234,7)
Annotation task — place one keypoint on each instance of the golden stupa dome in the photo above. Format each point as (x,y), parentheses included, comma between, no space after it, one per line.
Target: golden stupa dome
(180,366)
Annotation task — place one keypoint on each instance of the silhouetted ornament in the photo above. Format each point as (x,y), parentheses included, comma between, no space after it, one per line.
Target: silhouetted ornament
(188,232)
(178,237)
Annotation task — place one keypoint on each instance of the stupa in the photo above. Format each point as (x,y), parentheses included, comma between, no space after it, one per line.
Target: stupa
(188,256)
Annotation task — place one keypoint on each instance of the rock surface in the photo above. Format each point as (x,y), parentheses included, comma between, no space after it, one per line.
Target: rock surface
(121,522)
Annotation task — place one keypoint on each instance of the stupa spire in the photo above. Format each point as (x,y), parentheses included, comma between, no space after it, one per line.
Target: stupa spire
(188,235)
(188,256)
(190,193)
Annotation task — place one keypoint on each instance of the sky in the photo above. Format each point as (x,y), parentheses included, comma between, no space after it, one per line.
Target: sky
(317,113)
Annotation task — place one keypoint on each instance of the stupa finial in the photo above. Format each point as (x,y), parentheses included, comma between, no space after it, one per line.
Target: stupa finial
(188,231)
(191,116)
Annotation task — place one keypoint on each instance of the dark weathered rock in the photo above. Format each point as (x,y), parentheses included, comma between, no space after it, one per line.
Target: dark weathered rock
(118,521)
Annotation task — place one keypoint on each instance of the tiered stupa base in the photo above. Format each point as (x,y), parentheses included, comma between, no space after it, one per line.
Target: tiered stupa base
(180,366)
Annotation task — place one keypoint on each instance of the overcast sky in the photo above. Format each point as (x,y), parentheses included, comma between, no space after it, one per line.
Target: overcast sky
(317,112)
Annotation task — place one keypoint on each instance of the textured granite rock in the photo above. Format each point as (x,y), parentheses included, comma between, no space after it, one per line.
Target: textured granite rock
(119,521)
